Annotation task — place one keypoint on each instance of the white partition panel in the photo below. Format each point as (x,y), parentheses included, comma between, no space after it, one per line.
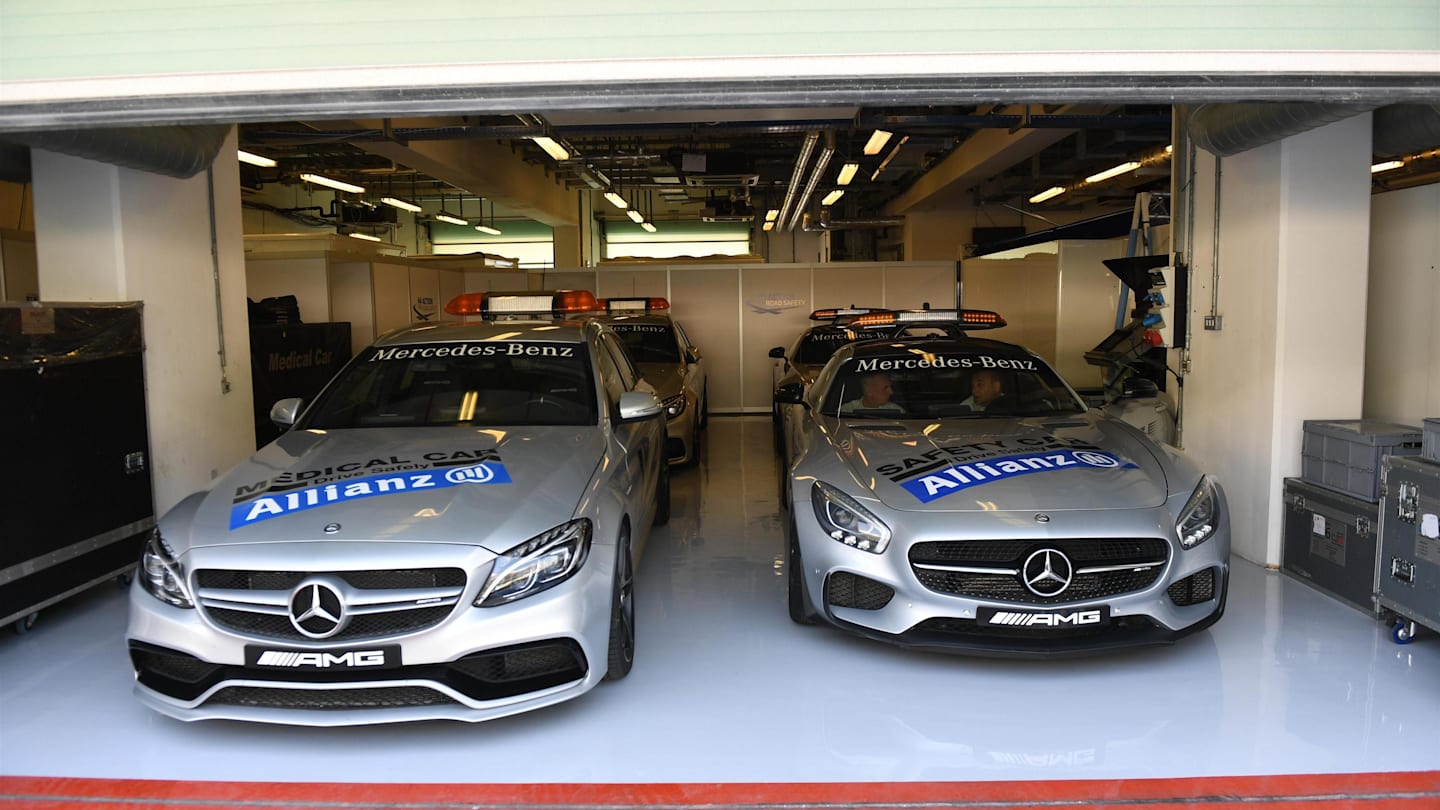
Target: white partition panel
(425,303)
(352,299)
(707,301)
(775,308)
(1089,294)
(392,296)
(839,285)
(1026,293)
(303,278)
(911,286)
(648,282)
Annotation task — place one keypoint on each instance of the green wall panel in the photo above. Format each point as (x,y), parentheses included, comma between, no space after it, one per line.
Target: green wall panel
(72,38)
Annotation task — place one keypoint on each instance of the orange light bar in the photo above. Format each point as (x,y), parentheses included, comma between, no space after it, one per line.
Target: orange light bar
(569,301)
(831,314)
(466,304)
(981,317)
(634,304)
(874,319)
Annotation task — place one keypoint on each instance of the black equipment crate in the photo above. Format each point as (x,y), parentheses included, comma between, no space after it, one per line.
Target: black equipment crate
(76,482)
(1330,542)
(1430,441)
(1346,454)
(1410,541)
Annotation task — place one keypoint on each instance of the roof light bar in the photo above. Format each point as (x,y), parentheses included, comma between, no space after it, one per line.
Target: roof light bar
(556,303)
(650,304)
(831,314)
(338,185)
(254,159)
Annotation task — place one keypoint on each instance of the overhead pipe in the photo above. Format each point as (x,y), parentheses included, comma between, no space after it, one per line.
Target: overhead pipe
(1229,129)
(173,151)
(824,223)
(815,175)
(806,148)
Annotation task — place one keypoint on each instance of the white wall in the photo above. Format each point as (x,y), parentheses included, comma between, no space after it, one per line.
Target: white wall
(306,279)
(1292,266)
(109,234)
(1402,340)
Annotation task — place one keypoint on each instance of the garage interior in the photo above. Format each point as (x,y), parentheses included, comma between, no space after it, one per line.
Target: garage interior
(1309,267)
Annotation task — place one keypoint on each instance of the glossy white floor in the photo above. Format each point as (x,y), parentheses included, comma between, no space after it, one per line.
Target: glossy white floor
(726,689)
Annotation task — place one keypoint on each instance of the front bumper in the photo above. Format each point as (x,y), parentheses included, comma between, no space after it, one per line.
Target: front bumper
(880,596)
(477,664)
(682,437)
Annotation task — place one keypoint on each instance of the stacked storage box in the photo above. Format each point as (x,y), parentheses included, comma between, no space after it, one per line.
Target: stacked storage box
(1409,566)
(1332,514)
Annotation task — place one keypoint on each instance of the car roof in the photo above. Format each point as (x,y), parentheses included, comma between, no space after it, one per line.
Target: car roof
(658,319)
(460,331)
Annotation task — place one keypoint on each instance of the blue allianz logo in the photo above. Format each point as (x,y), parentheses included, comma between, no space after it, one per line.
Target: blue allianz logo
(300,500)
(958,477)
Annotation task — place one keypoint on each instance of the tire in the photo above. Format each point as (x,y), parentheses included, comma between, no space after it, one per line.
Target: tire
(662,495)
(621,655)
(795,591)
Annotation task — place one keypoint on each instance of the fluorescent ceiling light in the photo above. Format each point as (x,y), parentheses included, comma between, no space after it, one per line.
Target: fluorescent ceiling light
(635,216)
(321,180)
(401,204)
(647,226)
(552,147)
(367,237)
(667,180)
(1169,148)
(1386,166)
(1114,171)
(833,197)
(847,173)
(1053,191)
(772,214)
(488,229)
(877,142)
(450,218)
(769,226)
(616,200)
(254,160)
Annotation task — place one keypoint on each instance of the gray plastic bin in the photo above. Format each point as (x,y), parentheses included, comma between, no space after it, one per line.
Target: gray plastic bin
(1346,454)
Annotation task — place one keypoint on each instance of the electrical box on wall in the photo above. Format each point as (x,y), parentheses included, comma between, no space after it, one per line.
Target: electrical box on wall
(1163,304)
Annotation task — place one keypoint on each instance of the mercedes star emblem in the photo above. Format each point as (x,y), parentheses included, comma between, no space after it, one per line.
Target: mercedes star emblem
(1047,572)
(316,610)
(331,528)
(1041,517)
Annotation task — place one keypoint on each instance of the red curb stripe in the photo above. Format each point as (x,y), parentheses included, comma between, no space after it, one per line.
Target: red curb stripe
(1401,789)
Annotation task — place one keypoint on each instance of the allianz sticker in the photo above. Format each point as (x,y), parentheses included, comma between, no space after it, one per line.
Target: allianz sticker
(300,500)
(940,458)
(349,470)
(958,477)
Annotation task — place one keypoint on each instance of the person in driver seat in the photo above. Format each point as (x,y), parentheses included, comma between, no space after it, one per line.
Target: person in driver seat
(987,391)
(875,392)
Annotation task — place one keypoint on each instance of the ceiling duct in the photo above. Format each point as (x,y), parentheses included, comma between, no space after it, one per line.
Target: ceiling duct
(174,151)
(1229,129)
(1405,129)
(825,223)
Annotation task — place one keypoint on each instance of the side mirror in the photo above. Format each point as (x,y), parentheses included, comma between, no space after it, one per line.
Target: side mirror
(637,405)
(692,355)
(284,412)
(790,394)
(778,352)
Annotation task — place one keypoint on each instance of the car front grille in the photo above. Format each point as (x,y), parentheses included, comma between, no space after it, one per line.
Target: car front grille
(992,569)
(375,697)
(844,589)
(1193,590)
(256,603)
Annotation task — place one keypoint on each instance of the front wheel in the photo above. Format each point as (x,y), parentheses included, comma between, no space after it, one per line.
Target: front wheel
(622,613)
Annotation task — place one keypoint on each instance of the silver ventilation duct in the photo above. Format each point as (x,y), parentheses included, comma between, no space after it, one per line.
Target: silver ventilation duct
(173,151)
(1405,129)
(1229,129)
(824,223)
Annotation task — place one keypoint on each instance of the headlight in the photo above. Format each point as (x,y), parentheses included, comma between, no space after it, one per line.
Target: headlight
(1199,517)
(846,521)
(541,562)
(674,406)
(161,575)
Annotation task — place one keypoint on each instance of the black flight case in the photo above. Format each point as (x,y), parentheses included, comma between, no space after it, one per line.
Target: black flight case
(1410,545)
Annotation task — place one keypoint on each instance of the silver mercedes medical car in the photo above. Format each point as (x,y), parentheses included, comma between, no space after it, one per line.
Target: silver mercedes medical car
(670,363)
(449,531)
(956,494)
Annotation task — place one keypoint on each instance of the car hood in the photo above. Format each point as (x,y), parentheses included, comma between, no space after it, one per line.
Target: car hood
(668,379)
(492,488)
(971,465)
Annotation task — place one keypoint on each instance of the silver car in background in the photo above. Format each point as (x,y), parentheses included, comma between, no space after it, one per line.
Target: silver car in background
(1026,525)
(449,532)
(670,364)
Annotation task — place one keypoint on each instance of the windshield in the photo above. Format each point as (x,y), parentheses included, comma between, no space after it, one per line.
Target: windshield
(649,342)
(921,385)
(817,346)
(511,383)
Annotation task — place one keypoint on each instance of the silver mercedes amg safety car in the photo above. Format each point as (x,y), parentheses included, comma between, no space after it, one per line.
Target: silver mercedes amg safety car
(449,531)
(670,363)
(956,494)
